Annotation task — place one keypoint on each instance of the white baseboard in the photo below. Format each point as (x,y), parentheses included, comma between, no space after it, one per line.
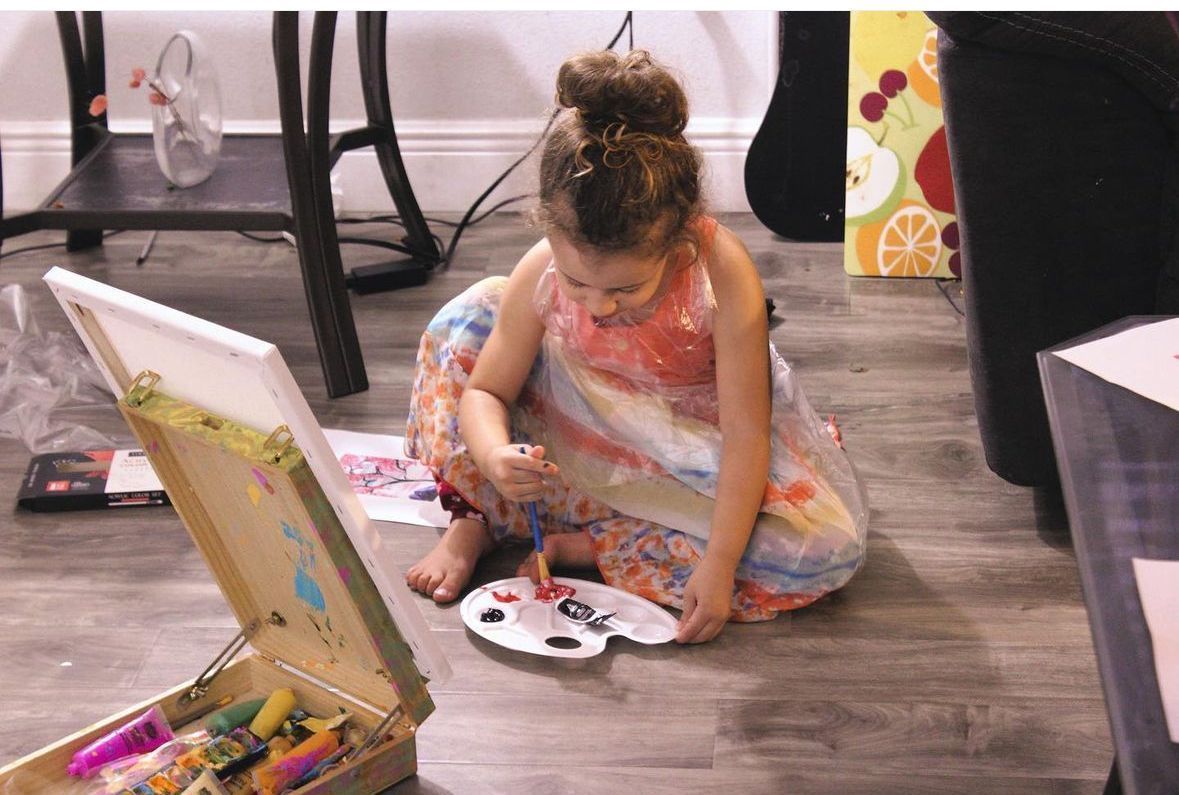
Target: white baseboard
(448,163)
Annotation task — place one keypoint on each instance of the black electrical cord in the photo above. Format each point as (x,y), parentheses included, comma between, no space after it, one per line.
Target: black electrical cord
(43,246)
(462,225)
(368,241)
(260,239)
(946,294)
(627,24)
(487,213)
(459,227)
(629,21)
(396,219)
(468,220)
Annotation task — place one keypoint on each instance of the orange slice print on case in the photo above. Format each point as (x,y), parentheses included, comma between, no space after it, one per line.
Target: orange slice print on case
(907,244)
(922,72)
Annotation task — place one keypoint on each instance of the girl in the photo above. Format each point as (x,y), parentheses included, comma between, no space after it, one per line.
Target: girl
(630,347)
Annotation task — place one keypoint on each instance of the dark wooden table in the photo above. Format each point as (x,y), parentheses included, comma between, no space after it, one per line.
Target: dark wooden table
(1118,456)
(262,182)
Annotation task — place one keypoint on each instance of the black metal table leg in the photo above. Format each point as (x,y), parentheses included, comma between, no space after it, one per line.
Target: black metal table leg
(99,158)
(85,78)
(370,35)
(314,220)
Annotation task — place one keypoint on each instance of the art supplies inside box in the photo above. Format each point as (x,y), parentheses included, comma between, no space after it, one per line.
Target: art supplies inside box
(318,600)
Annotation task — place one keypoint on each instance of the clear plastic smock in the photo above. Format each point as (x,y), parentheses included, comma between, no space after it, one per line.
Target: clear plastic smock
(628,409)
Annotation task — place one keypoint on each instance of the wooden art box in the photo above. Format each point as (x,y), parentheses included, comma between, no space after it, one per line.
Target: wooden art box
(259,490)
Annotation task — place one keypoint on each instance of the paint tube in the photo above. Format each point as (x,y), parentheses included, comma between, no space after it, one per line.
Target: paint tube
(231,717)
(206,784)
(321,768)
(239,784)
(146,733)
(316,725)
(581,613)
(120,776)
(355,736)
(226,754)
(288,726)
(276,747)
(172,780)
(273,778)
(273,713)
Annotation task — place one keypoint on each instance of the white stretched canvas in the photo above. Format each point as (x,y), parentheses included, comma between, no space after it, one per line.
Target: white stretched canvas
(245,380)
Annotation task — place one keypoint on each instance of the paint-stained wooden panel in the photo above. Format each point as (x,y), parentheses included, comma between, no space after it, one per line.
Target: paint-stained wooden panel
(276,549)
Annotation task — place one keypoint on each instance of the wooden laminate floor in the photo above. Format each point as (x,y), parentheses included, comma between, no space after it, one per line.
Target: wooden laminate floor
(959,659)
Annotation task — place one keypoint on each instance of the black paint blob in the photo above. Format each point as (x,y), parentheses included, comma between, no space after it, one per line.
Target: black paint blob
(491,615)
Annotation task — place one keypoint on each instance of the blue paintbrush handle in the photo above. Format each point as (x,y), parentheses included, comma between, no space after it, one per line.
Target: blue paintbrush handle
(535,522)
(532,518)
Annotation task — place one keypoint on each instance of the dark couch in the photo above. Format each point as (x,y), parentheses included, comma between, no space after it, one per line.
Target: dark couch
(1062,137)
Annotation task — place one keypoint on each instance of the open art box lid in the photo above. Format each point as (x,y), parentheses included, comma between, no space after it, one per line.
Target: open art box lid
(300,563)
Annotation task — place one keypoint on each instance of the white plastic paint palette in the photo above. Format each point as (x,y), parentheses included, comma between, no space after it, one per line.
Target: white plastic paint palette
(528,624)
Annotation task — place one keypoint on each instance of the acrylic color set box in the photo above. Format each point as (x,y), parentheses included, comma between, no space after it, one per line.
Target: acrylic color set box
(249,471)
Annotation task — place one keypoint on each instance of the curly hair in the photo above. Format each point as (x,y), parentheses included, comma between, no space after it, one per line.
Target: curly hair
(616,172)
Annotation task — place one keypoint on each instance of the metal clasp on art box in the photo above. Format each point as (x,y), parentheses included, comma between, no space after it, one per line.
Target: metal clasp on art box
(141,388)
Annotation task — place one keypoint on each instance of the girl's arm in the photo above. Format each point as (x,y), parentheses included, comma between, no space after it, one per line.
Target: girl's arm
(741,336)
(495,383)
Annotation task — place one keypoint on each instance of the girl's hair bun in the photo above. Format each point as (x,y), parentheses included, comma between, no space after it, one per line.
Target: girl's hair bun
(607,88)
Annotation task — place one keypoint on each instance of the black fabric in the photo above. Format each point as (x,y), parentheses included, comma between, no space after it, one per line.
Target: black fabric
(795,161)
(1062,136)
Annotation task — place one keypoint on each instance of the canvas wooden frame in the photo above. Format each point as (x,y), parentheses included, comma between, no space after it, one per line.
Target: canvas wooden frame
(243,379)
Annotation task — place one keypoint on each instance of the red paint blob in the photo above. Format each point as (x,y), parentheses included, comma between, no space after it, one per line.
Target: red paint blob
(505,597)
(549,591)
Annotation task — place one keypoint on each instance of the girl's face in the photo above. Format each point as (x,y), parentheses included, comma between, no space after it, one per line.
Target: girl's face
(606,282)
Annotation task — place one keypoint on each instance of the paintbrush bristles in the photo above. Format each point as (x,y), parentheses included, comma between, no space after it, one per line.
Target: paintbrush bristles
(542,567)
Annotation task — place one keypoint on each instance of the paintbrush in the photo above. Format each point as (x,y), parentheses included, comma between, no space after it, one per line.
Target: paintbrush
(541,564)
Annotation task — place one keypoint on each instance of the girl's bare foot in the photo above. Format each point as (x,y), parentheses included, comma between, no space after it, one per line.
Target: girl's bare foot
(444,572)
(568,550)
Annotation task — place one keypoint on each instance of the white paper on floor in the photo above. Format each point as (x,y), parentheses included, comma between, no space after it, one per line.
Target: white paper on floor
(392,486)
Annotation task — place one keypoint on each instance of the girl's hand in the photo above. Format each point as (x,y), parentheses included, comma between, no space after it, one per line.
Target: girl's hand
(708,603)
(517,471)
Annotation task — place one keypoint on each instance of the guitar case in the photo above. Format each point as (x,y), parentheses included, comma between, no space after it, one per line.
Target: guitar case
(794,165)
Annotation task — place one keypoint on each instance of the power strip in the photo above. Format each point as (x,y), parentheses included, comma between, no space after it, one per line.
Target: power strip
(365,279)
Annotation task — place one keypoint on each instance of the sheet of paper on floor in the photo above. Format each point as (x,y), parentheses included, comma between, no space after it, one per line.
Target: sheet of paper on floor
(1158,589)
(1144,359)
(392,487)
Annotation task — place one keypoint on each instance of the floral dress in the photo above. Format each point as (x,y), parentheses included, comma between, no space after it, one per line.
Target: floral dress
(628,409)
